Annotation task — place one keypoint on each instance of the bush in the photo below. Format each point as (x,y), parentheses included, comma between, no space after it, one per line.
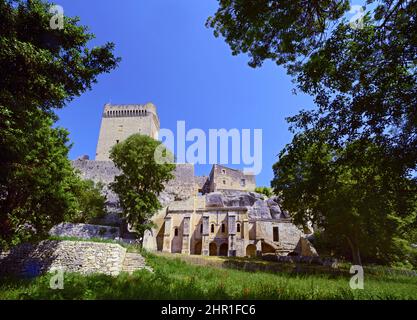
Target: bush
(265,191)
(90,201)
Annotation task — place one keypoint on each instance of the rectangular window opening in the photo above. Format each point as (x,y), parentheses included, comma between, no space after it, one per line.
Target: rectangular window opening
(275,234)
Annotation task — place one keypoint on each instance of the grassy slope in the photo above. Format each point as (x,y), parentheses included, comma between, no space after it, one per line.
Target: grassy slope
(175,279)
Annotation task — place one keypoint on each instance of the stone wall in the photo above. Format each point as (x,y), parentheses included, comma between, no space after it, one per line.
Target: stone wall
(289,235)
(99,171)
(201,183)
(305,248)
(180,188)
(84,231)
(31,260)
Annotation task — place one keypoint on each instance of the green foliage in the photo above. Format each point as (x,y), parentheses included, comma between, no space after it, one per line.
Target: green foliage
(174,279)
(36,188)
(264,190)
(351,166)
(363,80)
(100,240)
(41,69)
(351,193)
(283,31)
(142,179)
(91,203)
(42,189)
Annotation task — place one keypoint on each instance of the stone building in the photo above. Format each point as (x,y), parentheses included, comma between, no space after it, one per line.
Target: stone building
(120,121)
(223,178)
(219,214)
(226,223)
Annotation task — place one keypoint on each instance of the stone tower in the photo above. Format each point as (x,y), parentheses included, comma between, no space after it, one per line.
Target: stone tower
(120,121)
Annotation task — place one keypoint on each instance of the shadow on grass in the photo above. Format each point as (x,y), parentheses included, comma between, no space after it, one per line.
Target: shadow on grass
(174,279)
(28,260)
(259,265)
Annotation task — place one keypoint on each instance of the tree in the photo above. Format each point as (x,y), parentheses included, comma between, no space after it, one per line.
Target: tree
(37,192)
(42,69)
(351,194)
(284,31)
(89,199)
(142,179)
(363,81)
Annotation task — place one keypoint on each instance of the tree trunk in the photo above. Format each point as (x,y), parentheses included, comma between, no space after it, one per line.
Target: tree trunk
(356,257)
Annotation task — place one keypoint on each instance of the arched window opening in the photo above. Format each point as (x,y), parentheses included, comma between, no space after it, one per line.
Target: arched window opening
(223,228)
(176,232)
(212,228)
(238,227)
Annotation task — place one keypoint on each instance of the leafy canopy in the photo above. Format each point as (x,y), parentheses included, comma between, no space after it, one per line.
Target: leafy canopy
(41,69)
(352,194)
(45,67)
(363,80)
(351,166)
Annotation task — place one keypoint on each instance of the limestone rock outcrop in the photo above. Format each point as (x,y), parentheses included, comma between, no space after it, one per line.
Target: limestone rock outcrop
(84,231)
(214,199)
(258,207)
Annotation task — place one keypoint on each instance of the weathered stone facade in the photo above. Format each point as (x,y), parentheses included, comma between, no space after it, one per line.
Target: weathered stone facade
(224,178)
(234,223)
(120,121)
(182,187)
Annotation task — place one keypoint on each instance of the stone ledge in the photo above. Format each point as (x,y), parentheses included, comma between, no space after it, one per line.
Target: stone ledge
(84,231)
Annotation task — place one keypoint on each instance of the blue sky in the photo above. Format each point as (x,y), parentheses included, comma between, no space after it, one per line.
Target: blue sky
(171,59)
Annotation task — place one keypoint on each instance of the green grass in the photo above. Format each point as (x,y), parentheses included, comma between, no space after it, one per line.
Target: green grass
(176,279)
(66,238)
(129,247)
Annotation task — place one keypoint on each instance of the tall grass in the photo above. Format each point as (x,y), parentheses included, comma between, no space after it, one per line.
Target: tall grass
(175,279)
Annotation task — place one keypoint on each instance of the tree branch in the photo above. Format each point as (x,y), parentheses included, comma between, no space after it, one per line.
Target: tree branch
(396,7)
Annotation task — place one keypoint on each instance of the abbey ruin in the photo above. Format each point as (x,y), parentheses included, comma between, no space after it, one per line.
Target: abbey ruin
(218,214)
